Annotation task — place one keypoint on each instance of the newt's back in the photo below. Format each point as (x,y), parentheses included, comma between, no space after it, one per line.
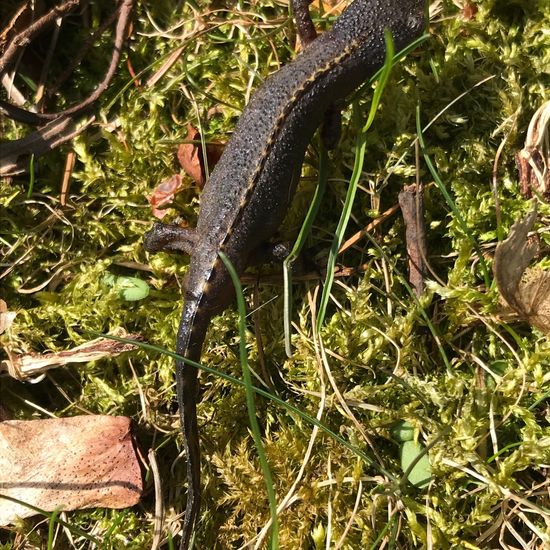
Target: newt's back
(249,190)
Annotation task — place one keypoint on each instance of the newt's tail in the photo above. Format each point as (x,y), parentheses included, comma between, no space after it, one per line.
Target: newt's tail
(191,334)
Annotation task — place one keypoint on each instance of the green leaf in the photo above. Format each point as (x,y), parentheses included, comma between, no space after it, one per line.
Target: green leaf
(415,463)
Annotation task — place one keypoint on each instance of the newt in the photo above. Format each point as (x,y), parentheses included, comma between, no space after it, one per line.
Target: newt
(248,193)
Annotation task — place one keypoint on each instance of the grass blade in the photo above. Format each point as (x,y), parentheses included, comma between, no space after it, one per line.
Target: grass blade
(299,244)
(251,406)
(360,148)
(259,391)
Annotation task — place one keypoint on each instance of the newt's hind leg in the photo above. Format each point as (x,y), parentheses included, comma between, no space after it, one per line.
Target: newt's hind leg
(269,253)
(164,237)
(332,126)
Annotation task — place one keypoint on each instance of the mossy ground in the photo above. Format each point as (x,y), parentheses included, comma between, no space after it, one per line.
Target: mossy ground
(474,387)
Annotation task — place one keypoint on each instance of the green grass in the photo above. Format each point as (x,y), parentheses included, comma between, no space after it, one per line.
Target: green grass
(472,384)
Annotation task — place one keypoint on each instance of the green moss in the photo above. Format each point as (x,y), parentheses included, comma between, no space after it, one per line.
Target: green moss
(473,386)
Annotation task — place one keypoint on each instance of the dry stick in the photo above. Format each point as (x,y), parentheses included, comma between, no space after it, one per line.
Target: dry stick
(19,114)
(90,41)
(24,37)
(13,92)
(43,140)
(277,279)
(122,24)
(69,165)
(159,507)
(38,142)
(357,237)
(411,203)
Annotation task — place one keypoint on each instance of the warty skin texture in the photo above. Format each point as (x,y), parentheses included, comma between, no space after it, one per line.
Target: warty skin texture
(248,193)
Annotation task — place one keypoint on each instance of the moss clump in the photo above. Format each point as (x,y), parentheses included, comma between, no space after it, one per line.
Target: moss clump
(473,387)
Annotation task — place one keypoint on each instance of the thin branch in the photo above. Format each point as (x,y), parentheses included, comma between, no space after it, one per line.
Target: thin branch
(411,201)
(22,115)
(24,37)
(39,142)
(77,59)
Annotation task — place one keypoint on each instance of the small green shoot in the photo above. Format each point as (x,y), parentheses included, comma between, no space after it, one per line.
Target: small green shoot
(52,523)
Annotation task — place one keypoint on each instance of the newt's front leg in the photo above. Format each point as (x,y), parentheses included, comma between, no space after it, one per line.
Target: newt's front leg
(170,237)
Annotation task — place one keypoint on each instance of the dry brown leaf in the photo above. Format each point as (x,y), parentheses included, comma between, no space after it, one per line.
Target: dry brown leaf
(469,11)
(534,159)
(164,194)
(191,158)
(525,289)
(29,365)
(71,463)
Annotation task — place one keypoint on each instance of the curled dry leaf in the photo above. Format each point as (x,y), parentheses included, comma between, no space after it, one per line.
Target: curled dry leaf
(73,463)
(24,366)
(469,11)
(191,159)
(525,289)
(164,194)
(534,159)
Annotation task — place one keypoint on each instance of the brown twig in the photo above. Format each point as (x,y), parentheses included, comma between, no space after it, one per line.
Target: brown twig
(69,165)
(276,279)
(22,115)
(411,201)
(373,224)
(43,140)
(24,37)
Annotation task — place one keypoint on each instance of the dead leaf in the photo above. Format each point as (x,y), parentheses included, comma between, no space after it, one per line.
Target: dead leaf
(24,366)
(191,158)
(72,463)
(526,290)
(512,256)
(534,159)
(164,194)
(469,11)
